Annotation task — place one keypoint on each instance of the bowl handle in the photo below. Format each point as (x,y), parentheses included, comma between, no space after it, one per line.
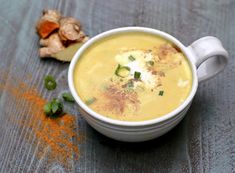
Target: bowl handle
(209,56)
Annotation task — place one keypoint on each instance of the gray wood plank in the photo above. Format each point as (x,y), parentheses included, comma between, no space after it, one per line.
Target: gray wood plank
(203,142)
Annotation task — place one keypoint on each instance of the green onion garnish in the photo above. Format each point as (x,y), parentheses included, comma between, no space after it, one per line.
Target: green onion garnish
(68,97)
(131,58)
(161,93)
(90,101)
(54,108)
(49,82)
(47,108)
(137,75)
(130,84)
(122,71)
(150,63)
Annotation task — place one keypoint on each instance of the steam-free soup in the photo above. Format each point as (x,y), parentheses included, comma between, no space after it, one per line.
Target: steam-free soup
(133,76)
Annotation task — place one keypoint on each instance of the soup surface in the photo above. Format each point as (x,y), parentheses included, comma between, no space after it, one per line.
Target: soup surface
(133,76)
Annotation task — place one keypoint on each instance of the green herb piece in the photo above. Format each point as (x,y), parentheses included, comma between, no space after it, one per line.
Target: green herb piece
(53,109)
(122,71)
(161,93)
(137,75)
(130,84)
(49,82)
(131,58)
(150,63)
(47,108)
(90,101)
(68,97)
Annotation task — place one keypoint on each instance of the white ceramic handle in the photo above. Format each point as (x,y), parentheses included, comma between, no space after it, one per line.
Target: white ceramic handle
(210,57)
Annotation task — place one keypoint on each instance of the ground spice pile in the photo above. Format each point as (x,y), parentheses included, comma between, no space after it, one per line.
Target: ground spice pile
(56,139)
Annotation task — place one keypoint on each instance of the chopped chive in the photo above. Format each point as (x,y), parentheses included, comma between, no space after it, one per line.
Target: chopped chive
(150,63)
(90,101)
(49,82)
(131,58)
(47,108)
(161,93)
(122,71)
(137,75)
(68,97)
(130,84)
(117,70)
(53,109)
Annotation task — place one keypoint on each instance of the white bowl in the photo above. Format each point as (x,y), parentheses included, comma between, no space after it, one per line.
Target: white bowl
(207,51)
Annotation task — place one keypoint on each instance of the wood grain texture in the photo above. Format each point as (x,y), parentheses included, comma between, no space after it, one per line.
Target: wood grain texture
(203,142)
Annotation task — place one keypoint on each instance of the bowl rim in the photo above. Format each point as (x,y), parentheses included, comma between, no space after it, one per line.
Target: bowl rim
(132,123)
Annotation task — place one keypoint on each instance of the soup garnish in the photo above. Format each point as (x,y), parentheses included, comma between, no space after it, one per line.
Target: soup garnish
(133,76)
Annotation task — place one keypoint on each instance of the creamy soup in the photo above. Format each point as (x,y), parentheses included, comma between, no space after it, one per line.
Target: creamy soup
(133,76)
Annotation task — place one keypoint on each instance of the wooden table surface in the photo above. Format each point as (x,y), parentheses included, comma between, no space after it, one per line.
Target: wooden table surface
(203,142)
